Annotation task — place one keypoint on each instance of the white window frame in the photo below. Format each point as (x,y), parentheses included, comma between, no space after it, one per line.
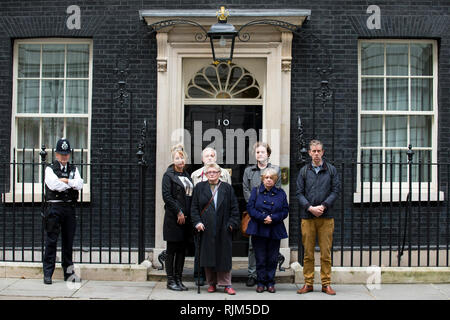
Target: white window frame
(24,191)
(386,195)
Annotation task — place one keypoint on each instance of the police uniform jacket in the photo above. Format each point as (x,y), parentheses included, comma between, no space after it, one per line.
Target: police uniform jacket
(263,203)
(58,191)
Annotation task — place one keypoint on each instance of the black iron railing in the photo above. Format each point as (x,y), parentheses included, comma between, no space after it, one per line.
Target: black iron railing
(110,210)
(391,213)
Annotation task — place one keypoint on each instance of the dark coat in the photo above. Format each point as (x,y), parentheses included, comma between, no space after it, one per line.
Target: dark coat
(263,203)
(216,243)
(175,200)
(316,189)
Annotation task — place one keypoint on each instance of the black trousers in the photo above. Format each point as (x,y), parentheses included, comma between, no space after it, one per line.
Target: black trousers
(176,253)
(62,216)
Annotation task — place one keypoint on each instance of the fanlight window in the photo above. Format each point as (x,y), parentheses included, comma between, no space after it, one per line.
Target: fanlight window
(223,81)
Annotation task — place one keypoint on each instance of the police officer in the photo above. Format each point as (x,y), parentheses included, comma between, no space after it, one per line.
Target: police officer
(62,183)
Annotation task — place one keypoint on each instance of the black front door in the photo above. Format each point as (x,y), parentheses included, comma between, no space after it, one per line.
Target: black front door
(232,131)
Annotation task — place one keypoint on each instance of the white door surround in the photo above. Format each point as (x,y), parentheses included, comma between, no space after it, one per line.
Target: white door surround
(177,43)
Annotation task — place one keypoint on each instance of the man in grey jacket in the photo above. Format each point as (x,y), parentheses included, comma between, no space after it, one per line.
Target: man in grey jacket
(252,179)
(318,187)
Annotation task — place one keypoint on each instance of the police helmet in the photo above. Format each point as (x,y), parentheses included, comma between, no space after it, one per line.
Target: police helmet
(63,146)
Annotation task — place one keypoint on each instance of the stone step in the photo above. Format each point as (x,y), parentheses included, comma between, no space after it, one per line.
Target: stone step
(238,275)
(239,263)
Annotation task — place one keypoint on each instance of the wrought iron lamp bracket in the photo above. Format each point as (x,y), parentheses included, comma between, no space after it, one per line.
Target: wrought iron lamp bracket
(277,23)
(199,37)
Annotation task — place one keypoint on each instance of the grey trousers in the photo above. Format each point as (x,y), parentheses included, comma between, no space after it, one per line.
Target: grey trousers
(251,260)
(218,278)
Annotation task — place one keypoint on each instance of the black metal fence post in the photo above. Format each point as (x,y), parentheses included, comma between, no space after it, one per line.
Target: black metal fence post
(142,170)
(410,154)
(301,161)
(43,155)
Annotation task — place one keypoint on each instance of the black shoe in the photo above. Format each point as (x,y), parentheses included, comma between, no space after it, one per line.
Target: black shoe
(72,277)
(180,283)
(172,285)
(251,282)
(48,280)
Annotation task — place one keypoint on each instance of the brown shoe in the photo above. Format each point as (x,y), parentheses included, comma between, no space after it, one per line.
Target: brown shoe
(306,288)
(328,290)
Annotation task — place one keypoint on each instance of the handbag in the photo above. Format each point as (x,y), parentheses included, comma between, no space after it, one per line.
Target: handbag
(244,223)
(246,219)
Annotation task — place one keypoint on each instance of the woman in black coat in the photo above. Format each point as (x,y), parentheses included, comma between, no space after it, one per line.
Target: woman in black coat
(177,190)
(216,217)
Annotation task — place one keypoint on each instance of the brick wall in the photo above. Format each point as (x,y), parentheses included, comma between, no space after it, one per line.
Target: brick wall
(111,23)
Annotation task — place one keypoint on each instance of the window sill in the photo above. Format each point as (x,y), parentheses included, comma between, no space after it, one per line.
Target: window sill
(37,198)
(387,197)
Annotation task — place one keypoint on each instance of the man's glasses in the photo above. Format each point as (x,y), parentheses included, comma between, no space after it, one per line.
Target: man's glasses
(212,172)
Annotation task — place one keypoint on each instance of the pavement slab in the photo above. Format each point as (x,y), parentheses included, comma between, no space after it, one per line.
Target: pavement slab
(115,290)
(443,287)
(409,292)
(6,282)
(37,288)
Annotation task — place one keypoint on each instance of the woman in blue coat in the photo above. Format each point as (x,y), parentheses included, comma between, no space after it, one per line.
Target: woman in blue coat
(268,207)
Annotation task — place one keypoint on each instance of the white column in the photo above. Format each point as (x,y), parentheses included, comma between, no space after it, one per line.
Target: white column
(285,125)
(163,129)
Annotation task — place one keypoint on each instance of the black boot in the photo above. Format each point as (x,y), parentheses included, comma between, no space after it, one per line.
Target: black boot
(179,265)
(171,283)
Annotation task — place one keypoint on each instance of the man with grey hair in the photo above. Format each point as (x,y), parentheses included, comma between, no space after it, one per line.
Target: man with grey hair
(209,155)
(318,187)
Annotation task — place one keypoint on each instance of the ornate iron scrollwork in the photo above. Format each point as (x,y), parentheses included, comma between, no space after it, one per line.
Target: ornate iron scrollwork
(281,259)
(161,258)
(244,37)
(141,147)
(302,151)
(199,37)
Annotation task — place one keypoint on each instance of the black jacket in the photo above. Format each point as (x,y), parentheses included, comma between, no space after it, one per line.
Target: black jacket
(175,200)
(216,243)
(316,189)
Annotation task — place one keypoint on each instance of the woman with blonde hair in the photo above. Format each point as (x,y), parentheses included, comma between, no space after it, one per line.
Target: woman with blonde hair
(177,190)
(268,207)
(250,180)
